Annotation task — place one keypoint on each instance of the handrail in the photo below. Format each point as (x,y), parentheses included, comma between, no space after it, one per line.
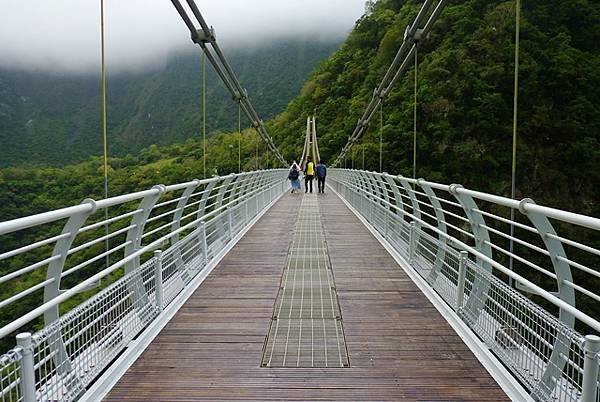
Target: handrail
(549,344)
(73,348)
(67,244)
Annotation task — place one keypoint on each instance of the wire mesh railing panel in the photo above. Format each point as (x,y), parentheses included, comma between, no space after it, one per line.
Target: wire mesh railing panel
(10,377)
(70,353)
(525,336)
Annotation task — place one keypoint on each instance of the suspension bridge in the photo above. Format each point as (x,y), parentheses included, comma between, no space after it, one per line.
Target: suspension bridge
(383,288)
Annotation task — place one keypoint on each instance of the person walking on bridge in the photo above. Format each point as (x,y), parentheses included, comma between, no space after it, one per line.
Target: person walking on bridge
(294,177)
(309,174)
(321,174)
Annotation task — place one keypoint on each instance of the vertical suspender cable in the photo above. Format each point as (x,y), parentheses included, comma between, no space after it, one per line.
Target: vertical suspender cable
(104,136)
(363,156)
(352,161)
(514,140)
(239,129)
(204,114)
(415,119)
(381,136)
(257,160)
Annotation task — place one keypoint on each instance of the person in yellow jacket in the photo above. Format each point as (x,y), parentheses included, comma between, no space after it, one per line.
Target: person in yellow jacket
(309,174)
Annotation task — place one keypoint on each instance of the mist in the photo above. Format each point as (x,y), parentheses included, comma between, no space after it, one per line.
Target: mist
(63,36)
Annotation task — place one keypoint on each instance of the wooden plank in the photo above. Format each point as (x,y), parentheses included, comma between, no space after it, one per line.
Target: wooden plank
(398,344)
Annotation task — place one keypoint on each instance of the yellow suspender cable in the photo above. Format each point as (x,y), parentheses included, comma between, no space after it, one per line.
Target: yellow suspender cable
(203,114)
(239,129)
(104,140)
(415,120)
(515,114)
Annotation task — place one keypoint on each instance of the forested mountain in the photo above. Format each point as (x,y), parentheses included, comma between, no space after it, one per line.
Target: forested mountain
(465,92)
(465,98)
(52,119)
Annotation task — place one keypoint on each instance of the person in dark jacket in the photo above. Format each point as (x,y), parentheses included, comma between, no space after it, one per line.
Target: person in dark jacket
(294,177)
(321,175)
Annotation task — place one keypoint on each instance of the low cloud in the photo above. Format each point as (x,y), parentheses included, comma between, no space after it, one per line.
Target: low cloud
(64,35)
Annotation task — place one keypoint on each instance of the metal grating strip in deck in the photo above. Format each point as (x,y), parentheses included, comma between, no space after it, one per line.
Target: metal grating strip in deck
(306,327)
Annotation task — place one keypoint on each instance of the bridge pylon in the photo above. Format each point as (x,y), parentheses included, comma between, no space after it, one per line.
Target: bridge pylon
(311,146)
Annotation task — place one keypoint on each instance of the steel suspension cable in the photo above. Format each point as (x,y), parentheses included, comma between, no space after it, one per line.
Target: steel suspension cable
(363,156)
(381,137)
(415,117)
(514,131)
(205,37)
(203,115)
(239,130)
(104,128)
(397,68)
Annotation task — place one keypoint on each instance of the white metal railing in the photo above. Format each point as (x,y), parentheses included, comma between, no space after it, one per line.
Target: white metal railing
(111,295)
(531,316)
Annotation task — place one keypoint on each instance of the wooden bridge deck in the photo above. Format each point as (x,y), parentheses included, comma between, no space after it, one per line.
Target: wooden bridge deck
(399,346)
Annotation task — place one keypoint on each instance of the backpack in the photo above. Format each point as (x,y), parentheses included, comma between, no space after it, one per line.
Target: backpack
(294,174)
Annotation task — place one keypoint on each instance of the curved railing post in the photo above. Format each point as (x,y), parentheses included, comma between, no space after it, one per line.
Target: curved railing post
(440,254)
(414,230)
(137,290)
(224,187)
(563,273)
(413,200)
(204,199)
(258,178)
(385,192)
(52,289)
(138,224)
(481,283)
(185,196)
(397,196)
(353,195)
(241,201)
(235,187)
(396,214)
(369,190)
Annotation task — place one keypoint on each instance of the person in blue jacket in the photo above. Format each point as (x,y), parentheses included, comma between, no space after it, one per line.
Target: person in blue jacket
(321,175)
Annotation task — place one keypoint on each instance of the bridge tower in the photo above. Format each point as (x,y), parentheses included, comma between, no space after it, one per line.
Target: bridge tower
(311,147)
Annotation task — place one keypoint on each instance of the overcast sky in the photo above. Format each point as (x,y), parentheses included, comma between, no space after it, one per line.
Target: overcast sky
(63,35)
